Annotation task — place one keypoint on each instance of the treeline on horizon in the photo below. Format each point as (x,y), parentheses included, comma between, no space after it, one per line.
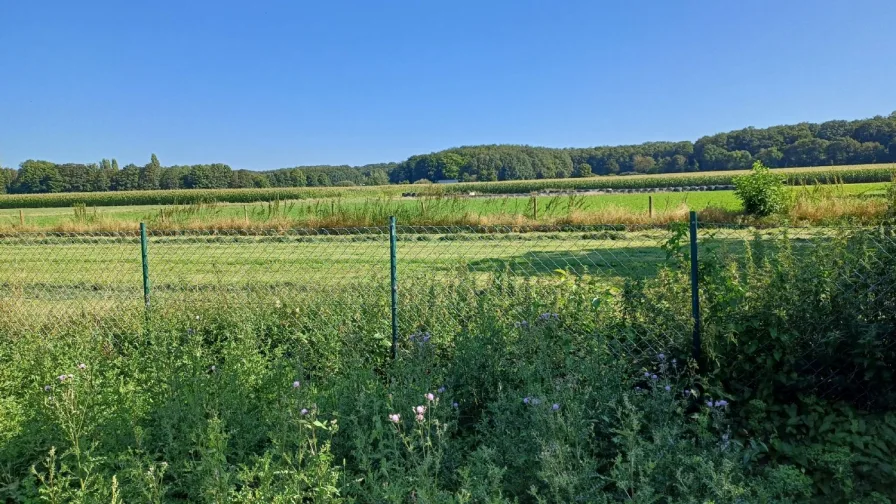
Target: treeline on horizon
(835,142)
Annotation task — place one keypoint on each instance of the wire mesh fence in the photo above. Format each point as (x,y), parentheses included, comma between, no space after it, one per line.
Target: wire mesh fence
(831,290)
(447,275)
(815,305)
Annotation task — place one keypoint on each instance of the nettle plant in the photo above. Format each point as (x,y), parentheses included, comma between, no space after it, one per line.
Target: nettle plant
(762,192)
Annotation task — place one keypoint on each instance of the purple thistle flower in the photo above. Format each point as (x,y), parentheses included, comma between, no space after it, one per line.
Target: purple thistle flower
(419,337)
(47,388)
(454,405)
(430,397)
(661,356)
(646,374)
(62,378)
(721,404)
(441,390)
(654,377)
(304,411)
(526,400)
(668,388)
(296,384)
(555,407)
(709,403)
(82,366)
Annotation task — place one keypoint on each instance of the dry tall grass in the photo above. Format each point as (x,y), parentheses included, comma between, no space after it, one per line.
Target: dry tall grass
(815,205)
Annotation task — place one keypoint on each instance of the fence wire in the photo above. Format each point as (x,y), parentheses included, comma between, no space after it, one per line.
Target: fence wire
(817,303)
(629,285)
(451,278)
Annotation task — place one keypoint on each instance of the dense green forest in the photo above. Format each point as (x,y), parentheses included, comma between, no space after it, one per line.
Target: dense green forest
(806,144)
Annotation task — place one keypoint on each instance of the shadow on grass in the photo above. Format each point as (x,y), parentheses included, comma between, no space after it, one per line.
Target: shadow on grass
(631,262)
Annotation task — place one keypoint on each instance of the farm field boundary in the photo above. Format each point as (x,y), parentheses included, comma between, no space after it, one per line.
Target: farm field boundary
(795,176)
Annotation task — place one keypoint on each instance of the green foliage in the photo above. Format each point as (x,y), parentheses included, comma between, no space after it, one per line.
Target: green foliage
(864,141)
(197,402)
(150,175)
(761,192)
(801,338)
(171,179)
(77,177)
(7,176)
(214,176)
(126,179)
(38,177)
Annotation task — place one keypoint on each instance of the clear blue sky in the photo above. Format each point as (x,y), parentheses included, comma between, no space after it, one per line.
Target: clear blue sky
(264,84)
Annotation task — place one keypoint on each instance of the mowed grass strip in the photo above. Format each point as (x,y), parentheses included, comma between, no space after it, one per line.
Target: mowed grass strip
(182,263)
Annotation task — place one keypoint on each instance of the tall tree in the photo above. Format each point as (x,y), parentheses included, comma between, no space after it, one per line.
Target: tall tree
(213,176)
(149,174)
(75,177)
(127,179)
(7,176)
(771,157)
(643,164)
(173,177)
(37,177)
(377,177)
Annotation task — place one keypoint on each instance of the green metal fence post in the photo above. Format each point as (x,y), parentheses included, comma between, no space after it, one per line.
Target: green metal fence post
(393,259)
(145,257)
(695,293)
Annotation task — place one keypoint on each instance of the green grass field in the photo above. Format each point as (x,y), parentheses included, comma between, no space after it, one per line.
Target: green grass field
(54,279)
(66,275)
(198,260)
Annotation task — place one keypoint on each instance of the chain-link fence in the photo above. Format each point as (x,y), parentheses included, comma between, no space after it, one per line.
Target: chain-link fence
(815,307)
(633,285)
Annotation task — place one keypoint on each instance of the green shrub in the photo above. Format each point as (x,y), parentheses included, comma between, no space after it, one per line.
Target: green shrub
(197,401)
(761,192)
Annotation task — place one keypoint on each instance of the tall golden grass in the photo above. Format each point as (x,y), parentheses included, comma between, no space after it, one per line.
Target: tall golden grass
(817,205)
